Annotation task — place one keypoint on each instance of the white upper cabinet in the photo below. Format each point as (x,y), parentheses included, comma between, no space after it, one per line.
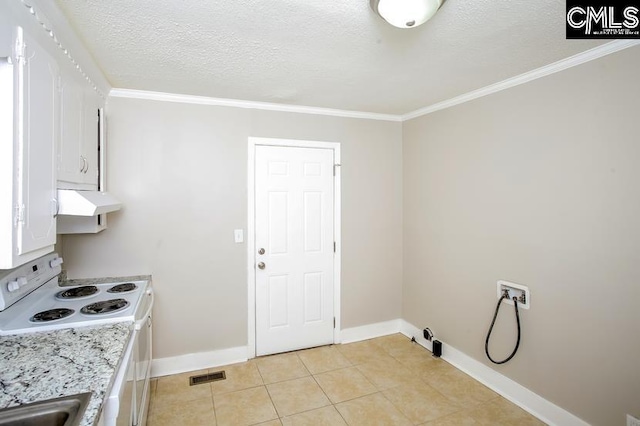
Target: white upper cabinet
(90,131)
(29,109)
(70,164)
(49,130)
(78,149)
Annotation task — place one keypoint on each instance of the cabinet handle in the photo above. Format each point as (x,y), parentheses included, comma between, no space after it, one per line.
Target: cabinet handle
(85,165)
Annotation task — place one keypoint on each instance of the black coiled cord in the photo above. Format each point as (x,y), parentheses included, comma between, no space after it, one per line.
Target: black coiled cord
(493,322)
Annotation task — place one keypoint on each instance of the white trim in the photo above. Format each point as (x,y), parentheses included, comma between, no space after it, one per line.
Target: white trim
(370,331)
(237,103)
(561,65)
(251,249)
(197,361)
(539,407)
(251,236)
(529,401)
(337,233)
(294,143)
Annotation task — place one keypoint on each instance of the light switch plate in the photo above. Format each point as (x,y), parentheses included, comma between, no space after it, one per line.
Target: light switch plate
(238,235)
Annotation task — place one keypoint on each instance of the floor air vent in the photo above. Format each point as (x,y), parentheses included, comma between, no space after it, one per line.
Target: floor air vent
(207,378)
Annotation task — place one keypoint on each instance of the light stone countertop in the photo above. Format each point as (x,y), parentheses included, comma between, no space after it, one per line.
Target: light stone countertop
(63,281)
(44,365)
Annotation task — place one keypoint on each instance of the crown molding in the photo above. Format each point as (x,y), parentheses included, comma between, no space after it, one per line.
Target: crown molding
(267,106)
(561,65)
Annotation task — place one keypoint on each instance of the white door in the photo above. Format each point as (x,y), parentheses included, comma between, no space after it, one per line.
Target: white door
(294,228)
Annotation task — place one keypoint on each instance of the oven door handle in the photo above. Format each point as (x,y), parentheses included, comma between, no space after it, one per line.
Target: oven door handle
(142,321)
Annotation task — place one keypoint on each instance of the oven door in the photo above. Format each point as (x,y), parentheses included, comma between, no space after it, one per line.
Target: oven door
(118,408)
(125,402)
(143,330)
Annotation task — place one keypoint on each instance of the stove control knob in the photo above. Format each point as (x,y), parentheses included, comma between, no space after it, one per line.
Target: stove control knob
(16,284)
(56,262)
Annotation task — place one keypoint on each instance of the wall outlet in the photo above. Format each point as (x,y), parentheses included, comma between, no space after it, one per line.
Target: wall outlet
(521,292)
(632,421)
(427,334)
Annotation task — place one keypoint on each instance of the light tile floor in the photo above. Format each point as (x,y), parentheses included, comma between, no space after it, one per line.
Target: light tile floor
(383,381)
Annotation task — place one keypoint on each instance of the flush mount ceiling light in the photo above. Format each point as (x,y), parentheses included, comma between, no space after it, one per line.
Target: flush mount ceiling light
(406,13)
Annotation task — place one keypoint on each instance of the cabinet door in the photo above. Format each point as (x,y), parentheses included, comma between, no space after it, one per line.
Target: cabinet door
(7,145)
(70,164)
(90,137)
(78,155)
(38,107)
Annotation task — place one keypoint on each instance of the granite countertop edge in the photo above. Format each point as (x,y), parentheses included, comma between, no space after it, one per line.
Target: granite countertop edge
(64,281)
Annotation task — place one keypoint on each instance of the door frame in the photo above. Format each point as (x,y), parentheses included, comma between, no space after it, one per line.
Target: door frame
(251,234)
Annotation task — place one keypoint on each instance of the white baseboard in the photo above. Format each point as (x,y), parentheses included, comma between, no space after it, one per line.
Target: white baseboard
(197,361)
(411,331)
(529,401)
(369,331)
(203,360)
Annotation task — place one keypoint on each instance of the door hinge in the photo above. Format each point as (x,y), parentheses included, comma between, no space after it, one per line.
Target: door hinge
(19,215)
(334,322)
(334,246)
(334,168)
(20,48)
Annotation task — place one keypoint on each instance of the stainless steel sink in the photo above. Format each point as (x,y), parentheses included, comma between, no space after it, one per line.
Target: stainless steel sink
(65,411)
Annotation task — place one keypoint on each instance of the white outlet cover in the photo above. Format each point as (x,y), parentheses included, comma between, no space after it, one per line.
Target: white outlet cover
(238,235)
(527,293)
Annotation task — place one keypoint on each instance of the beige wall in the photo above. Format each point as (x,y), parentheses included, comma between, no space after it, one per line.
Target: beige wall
(181,172)
(540,185)
(537,184)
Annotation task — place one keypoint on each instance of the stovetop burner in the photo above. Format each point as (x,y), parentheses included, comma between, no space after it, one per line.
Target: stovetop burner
(105,307)
(77,292)
(42,304)
(51,315)
(122,288)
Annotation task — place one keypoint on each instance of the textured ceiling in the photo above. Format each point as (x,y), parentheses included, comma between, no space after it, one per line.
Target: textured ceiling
(334,54)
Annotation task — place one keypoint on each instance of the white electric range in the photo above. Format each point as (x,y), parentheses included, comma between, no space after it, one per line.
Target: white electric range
(32,301)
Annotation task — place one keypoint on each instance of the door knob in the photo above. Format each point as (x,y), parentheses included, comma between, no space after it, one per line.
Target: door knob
(261,251)
(261,265)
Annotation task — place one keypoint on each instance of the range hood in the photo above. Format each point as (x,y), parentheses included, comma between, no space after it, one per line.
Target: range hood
(86,203)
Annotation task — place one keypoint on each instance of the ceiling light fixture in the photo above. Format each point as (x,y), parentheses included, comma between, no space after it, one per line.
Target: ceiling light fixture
(406,13)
